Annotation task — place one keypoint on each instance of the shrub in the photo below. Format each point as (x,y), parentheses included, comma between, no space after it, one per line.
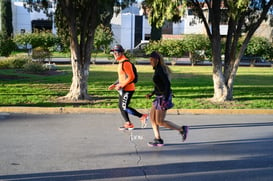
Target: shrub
(19,62)
(168,48)
(13,62)
(259,46)
(37,39)
(41,54)
(34,67)
(156,46)
(5,64)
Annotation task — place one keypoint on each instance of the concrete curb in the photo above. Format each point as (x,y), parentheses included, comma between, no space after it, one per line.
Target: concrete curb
(67,110)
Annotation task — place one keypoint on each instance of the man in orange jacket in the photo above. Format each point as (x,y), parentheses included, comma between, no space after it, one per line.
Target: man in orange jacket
(126,88)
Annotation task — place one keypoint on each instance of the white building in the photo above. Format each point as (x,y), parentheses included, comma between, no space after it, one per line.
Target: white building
(129,27)
(24,21)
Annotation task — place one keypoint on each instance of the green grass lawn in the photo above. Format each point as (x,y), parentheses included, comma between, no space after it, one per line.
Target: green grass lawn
(192,87)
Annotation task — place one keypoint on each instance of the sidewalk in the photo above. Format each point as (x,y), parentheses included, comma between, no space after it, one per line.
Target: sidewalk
(88,146)
(61,110)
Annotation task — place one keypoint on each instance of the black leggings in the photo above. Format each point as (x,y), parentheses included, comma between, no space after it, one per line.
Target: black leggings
(124,101)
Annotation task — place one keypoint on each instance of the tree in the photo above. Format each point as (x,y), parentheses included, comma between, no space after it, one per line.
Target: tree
(241,16)
(103,38)
(6,17)
(158,11)
(77,21)
(6,45)
(259,46)
(80,19)
(196,45)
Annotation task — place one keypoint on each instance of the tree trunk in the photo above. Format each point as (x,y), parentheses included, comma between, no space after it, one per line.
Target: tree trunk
(80,61)
(220,88)
(191,58)
(81,26)
(156,33)
(79,85)
(234,65)
(230,62)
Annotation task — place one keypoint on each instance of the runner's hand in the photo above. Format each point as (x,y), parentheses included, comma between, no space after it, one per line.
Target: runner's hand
(118,86)
(148,96)
(111,87)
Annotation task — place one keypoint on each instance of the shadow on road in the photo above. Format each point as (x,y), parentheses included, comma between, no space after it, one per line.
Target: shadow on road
(255,163)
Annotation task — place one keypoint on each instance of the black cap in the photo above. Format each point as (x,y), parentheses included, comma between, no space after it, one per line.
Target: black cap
(117,48)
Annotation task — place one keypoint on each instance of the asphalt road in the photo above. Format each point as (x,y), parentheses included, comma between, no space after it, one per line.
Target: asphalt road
(89,146)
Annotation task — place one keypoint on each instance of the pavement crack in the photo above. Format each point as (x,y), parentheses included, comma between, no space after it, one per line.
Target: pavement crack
(132,140)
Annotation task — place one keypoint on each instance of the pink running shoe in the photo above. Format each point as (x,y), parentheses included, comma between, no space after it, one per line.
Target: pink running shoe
(156,142)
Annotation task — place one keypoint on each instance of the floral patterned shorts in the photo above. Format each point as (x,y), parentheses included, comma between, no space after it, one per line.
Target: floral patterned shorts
(161,104)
